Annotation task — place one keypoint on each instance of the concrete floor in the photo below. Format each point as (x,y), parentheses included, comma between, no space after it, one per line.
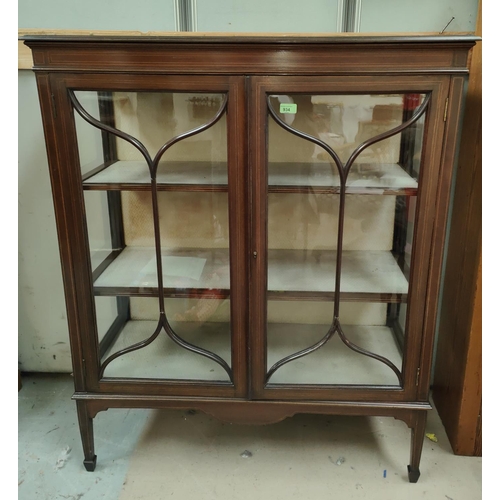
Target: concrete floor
(145,454)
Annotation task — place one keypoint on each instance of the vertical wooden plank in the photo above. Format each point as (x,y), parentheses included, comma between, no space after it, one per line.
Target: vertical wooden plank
(457,380)
(24,57)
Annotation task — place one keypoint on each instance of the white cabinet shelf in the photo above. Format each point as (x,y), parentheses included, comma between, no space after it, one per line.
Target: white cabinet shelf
(186,273)
(366,275)
(387,178)
(293,274)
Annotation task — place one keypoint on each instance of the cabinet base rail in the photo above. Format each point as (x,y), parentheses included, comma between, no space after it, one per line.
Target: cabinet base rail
(253,412)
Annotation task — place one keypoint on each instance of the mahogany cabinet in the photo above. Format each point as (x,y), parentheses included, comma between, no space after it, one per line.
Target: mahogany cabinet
(252,226)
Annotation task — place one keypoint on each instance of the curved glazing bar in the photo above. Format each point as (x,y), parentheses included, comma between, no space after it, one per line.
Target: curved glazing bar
(418,113)
(102,126)
(132,348)
(163,322)
(189,133)
(301,354)
(307,137)
(168,329)
(343,169)
(372,355)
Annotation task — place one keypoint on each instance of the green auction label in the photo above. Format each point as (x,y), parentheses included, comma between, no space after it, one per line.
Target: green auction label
(288,108)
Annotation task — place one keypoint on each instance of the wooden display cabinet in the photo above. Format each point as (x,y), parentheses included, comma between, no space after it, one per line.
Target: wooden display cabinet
(252,226)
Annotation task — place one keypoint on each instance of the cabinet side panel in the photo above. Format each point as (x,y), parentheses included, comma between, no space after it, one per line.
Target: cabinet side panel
(52,139)
(439,233)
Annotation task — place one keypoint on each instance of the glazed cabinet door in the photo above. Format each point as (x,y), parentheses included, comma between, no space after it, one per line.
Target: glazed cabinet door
(345,175)
(150,179)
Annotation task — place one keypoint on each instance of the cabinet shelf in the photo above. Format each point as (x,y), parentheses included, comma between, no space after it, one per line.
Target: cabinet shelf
(321,178)
(194,273)
(172,176)
(372,276)
(293,275)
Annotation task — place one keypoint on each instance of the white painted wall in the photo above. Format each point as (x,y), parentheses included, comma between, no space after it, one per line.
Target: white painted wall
(129,15)
(279,16)
(418,16)
(43,329)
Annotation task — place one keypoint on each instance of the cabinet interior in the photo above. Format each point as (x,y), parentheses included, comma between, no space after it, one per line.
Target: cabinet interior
(302,227)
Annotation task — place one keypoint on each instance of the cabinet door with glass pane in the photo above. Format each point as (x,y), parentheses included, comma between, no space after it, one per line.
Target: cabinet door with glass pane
(345,176)
(161,177)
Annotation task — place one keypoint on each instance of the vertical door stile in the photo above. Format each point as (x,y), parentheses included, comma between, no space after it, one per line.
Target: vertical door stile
(238,229)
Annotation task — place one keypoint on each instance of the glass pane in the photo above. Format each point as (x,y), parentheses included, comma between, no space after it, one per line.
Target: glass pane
(106,313)
(185,191)
(202,322)
(294,326)
(338,264)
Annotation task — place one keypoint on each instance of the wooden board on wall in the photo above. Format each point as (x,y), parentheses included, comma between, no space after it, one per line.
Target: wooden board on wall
(458,380)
